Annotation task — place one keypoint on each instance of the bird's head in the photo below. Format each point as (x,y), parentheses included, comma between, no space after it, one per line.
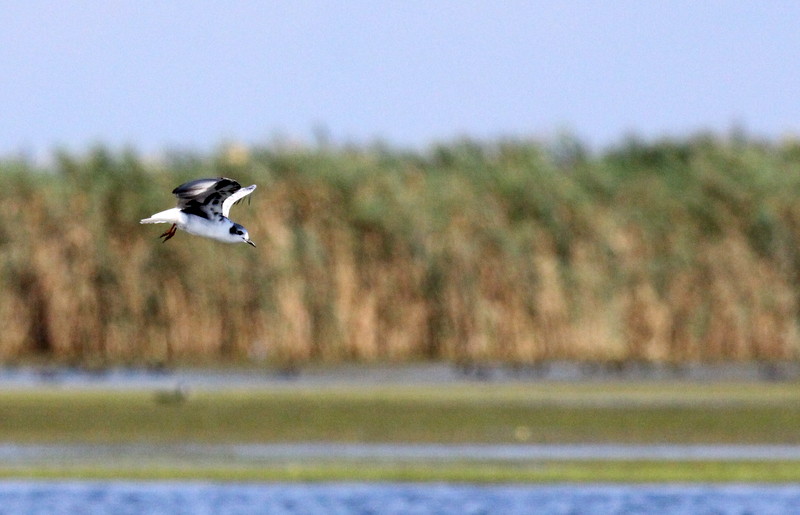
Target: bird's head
(239,233)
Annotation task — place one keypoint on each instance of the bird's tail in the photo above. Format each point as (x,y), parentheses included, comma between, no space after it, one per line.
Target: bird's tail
(170,216)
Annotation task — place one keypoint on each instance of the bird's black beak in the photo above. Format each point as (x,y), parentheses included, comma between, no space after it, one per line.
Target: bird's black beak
(250,242)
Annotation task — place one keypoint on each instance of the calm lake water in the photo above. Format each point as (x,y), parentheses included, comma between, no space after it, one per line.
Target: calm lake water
(68,497)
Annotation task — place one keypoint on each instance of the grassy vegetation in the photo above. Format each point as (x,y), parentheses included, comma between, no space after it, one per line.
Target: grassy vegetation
(680,250)
(451,414)
(537,413)
(588,472)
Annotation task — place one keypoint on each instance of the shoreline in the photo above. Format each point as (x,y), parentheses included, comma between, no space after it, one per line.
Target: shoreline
(423,374)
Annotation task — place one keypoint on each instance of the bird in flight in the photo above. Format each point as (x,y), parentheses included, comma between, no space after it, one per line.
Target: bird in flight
(203,207)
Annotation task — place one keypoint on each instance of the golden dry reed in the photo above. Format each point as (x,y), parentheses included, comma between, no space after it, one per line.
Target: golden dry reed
(508,251)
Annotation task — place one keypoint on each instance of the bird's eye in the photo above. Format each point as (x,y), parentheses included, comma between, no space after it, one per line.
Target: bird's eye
(239,233)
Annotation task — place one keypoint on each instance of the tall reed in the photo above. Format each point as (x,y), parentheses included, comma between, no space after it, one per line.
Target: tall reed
(512,251)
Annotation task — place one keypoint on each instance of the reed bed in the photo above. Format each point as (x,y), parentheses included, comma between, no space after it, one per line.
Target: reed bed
(509,251)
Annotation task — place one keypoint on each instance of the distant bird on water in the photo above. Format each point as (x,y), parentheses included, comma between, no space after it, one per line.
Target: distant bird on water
(203,207)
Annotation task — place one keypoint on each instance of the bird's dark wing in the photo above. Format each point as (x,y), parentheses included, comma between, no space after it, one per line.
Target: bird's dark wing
(205,197)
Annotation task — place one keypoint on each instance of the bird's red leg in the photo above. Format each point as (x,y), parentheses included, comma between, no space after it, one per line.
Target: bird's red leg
(170,233)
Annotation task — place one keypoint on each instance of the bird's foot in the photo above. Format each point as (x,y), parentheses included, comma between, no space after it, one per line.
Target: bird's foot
(170,233)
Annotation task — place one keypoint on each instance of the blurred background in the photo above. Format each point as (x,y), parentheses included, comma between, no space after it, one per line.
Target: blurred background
(510,182)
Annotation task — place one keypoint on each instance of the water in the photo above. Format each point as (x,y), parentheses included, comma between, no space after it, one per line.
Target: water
(20,377)
(51,497)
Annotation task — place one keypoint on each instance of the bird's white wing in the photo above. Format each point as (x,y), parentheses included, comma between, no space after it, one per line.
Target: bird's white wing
(235,197)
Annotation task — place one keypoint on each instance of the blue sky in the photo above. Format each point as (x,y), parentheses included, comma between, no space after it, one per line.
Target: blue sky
(192,75)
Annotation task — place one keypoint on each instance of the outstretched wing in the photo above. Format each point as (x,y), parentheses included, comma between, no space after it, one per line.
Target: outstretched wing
(206,197)
(235,198)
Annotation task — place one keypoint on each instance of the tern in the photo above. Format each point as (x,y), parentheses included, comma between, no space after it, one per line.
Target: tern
(203,208)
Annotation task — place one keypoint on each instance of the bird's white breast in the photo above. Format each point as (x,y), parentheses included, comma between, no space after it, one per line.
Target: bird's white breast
(215,229)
